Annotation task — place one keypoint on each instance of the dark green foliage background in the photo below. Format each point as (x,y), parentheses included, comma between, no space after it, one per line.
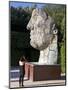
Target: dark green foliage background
(19,35)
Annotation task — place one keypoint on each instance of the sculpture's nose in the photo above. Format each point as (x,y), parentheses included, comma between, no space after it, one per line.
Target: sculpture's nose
(30,27)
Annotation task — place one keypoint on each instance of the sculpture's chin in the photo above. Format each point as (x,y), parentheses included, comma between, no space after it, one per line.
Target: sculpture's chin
(33,45)
(38,46)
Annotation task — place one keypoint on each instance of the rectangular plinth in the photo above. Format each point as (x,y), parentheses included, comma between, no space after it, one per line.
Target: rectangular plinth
(36,72)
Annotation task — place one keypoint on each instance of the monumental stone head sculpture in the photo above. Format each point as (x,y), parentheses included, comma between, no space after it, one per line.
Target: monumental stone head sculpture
(43,35)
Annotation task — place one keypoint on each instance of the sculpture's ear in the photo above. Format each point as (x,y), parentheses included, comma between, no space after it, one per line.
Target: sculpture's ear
(55,31)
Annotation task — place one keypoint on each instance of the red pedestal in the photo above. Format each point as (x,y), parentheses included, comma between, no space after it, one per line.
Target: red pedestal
(37,72)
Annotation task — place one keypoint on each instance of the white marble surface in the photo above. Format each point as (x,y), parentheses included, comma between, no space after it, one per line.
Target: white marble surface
(43,35)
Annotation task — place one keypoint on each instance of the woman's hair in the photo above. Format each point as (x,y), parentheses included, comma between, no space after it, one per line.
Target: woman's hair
(22,58)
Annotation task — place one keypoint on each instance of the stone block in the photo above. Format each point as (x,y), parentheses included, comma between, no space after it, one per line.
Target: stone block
(38,72)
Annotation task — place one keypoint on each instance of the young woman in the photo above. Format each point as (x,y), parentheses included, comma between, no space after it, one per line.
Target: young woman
(22,70)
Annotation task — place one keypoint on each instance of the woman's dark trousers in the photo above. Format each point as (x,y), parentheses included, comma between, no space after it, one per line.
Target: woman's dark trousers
(21,80)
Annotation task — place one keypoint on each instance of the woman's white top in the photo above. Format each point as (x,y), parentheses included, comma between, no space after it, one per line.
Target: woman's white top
(21,63)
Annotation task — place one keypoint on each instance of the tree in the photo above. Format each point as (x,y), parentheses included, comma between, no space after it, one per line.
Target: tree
(19,18)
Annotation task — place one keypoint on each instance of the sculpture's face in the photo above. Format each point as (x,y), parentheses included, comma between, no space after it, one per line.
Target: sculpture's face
(40,27)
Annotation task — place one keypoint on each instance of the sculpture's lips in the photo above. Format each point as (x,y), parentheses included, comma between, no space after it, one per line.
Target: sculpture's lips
(31,35)
(32,32)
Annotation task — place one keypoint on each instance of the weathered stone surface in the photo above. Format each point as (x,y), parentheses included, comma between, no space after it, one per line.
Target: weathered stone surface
(43,36)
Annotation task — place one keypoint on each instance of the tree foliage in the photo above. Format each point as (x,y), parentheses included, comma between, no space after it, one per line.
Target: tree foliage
(19,18)
(20,42)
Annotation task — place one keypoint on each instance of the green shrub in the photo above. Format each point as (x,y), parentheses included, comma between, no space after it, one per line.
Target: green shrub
(62,52)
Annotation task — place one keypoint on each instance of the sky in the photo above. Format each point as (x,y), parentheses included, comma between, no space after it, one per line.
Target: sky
(25,4)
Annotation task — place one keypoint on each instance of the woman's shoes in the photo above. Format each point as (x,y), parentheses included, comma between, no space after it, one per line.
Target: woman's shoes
(21,85)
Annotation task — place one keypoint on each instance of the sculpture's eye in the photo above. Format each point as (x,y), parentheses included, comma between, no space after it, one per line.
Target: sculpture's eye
(55,31)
